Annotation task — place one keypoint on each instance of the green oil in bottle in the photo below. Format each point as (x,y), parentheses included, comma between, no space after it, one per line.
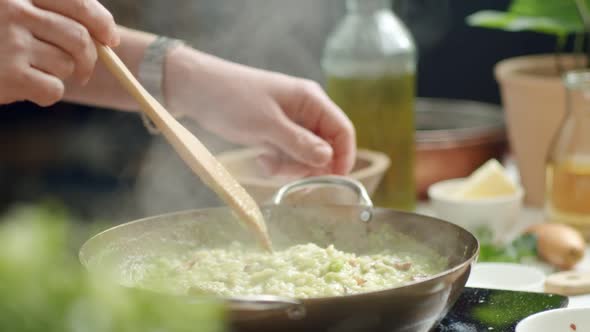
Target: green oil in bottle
(382,111)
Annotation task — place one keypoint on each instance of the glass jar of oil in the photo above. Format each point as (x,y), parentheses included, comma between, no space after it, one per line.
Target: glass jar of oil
(370,64)
(568,165)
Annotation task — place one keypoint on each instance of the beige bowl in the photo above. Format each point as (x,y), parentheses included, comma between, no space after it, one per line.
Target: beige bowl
(369,169)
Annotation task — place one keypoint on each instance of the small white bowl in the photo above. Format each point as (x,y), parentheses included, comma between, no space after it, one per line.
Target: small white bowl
(557,320)
(498,214)
(507,276)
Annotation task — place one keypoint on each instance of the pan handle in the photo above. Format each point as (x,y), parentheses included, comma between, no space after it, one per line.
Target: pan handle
(354,185)
(294,309)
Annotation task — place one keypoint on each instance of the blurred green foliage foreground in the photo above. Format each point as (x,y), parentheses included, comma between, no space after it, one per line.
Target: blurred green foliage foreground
(44,288)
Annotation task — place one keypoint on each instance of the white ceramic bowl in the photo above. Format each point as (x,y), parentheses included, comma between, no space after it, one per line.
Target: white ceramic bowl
(499,214)
(558,320)
(507,276)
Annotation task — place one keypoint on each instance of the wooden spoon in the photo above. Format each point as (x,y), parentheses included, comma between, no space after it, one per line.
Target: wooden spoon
(190,149)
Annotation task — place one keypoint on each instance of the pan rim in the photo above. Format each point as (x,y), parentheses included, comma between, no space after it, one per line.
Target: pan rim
(471,259)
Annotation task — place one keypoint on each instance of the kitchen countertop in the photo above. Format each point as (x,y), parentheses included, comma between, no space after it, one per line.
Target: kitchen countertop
(530,216)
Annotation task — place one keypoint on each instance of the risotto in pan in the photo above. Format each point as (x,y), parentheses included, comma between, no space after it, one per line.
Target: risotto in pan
(300,271)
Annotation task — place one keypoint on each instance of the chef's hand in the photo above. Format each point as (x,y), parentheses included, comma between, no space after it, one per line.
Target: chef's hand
(291,116)
(44,42)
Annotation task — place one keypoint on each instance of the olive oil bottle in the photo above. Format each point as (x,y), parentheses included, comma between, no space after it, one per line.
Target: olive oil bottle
(568,165)
(369,62)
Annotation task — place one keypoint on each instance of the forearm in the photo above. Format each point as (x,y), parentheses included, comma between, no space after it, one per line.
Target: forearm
(103,89)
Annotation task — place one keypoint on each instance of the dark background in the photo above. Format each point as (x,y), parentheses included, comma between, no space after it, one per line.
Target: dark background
(89,158)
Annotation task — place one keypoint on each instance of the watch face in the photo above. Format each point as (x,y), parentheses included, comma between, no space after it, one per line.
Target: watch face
(485,310)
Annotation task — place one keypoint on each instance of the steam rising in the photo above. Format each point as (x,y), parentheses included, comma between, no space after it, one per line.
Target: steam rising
(281,35)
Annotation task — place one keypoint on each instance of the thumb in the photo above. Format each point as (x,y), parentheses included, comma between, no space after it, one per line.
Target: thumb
(301,144)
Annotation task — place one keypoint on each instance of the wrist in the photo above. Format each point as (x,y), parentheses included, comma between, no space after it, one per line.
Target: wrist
(176,72)
(188,82)
(152,72)
(152,69)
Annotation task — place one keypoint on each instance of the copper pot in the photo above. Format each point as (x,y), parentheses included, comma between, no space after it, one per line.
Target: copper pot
(454,138)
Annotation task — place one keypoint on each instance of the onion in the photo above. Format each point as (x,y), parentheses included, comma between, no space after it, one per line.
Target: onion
(558,244)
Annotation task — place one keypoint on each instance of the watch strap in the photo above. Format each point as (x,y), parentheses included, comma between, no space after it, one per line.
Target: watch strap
(151,71)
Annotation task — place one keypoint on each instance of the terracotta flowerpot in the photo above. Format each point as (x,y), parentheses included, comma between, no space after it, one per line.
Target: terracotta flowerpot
(534,101)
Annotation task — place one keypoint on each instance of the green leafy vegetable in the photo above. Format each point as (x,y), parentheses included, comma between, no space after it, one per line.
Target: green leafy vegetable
(556,17)
(522,247)
(43,288)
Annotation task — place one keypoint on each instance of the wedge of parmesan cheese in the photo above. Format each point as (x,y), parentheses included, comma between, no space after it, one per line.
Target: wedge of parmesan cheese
(490,180)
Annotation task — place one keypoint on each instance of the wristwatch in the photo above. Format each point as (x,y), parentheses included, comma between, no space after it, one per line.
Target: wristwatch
(151,71)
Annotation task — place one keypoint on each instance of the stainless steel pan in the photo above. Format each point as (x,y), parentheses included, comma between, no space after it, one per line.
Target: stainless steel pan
(417,306)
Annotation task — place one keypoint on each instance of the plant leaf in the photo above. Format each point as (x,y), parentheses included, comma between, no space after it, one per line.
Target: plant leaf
(511,22)
(556,17)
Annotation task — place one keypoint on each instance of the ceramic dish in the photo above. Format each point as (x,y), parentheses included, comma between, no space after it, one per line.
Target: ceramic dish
(497,214)
(506,276)
(369,169)
(559,320)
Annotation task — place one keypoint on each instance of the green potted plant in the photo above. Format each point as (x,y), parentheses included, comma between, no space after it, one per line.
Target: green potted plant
(531,88)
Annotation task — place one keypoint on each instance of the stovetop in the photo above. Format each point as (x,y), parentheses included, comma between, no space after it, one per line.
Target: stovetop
(485,310)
